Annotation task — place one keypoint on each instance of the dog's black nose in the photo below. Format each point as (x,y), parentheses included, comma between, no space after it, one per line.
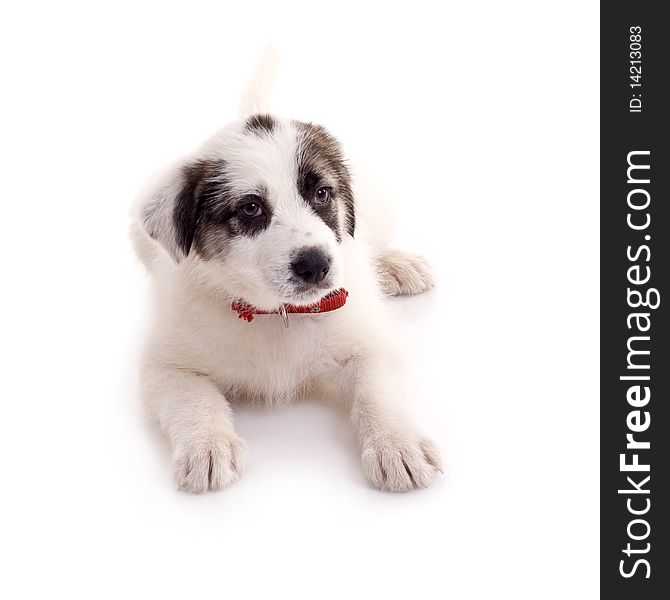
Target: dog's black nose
(311,265)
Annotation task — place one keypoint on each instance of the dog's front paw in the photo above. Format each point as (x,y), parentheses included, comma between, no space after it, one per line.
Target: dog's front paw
(211,465)
(397,463)
(403,274)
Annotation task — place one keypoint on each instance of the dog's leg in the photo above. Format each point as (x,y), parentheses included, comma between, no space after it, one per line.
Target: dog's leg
(395,456)
(403,274)
(198,421)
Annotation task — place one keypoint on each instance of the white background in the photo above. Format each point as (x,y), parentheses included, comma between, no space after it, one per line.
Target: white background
(480,119)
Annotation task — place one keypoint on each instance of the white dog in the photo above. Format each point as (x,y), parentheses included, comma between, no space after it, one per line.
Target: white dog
(267,292)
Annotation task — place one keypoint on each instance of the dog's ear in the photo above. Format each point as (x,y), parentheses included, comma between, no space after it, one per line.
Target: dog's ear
(169,214)
(350,212)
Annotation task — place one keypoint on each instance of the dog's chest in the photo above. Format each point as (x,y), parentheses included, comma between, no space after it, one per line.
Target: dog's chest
(266,361)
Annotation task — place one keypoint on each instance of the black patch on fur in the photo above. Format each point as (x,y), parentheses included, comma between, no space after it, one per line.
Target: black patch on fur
(188,203)
(206,213)
(308,184)
(321,164)
(260,124)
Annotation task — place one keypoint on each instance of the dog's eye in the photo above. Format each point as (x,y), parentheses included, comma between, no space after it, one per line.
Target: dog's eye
(251,210)
(322,196)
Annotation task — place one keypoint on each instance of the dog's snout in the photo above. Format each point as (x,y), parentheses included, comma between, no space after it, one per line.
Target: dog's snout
(311,265)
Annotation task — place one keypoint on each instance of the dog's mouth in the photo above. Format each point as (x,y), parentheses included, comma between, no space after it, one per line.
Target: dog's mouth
(303,293)
(309,296)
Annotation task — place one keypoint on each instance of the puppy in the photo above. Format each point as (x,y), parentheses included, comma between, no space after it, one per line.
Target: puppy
(268,289)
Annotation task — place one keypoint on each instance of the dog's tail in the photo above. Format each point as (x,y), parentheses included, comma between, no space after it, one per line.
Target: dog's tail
(258,93)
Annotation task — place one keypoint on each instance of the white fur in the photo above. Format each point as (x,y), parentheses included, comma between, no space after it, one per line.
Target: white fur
(257,95)
(201,357)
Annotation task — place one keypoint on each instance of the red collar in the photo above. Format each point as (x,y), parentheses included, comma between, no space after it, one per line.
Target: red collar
(332,301)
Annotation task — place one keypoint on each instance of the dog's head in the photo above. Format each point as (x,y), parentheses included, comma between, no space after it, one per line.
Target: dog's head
(260,211)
